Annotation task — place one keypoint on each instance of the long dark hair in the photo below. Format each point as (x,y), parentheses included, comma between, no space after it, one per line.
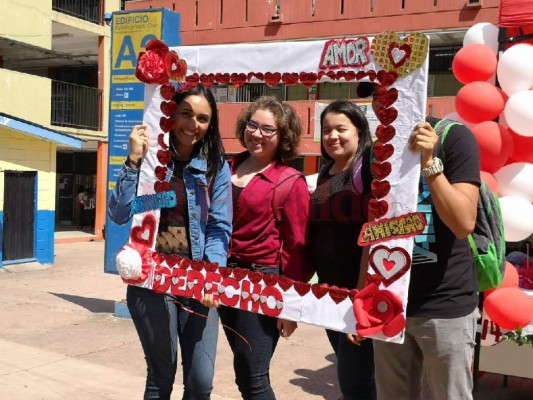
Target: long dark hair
(210,147)
(358,119)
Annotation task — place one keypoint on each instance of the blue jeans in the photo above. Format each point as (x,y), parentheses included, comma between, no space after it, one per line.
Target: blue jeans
(251,361)
(160,322)
(355,367)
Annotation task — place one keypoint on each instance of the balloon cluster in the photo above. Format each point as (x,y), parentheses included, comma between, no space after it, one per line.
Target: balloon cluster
(505,146)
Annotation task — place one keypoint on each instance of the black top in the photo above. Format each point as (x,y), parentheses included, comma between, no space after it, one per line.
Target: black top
(443,277)
(337,213)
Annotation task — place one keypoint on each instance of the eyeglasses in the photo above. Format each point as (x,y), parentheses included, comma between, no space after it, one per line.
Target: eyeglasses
(266,130)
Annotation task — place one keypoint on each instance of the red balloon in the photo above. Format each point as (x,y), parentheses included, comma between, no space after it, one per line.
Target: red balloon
(509,307)
(495,145)
(475,62)
(490,181)
(522,148)
(479,101)
(510,278)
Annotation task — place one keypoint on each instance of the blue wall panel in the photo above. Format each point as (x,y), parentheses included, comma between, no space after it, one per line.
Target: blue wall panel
(44,236)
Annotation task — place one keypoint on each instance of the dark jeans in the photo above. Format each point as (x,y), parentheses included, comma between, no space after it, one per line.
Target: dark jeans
(160,322)
(251,361)
(355,367)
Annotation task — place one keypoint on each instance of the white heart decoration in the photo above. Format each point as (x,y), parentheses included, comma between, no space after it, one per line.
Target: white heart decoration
(146,234)
(397,55)
(263,299)
(157,277)
(389,262)
(208,286)
(221,289)
(245,295)
(279,305)
(255,296)
(190,285)
(175,280)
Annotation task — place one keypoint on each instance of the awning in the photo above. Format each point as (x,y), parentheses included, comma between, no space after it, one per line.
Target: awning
(39,131)
(515,13)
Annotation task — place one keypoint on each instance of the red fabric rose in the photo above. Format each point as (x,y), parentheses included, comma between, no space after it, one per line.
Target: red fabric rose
(151,68)
(378,311)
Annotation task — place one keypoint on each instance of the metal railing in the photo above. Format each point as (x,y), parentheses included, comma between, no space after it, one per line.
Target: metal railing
(88,10)
(76,106)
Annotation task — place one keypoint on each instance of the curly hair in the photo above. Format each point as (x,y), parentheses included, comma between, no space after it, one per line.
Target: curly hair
(287,123)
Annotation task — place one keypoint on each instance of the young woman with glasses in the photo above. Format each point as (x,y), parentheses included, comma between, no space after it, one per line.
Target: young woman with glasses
(270,132)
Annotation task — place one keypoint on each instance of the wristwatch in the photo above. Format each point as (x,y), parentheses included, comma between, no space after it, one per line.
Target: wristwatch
(436,168)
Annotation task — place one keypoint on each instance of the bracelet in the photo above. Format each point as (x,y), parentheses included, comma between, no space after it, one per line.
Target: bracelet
(130,162)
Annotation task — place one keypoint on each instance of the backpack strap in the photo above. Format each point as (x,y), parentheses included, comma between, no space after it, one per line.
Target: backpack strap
(442,127)
(283,187)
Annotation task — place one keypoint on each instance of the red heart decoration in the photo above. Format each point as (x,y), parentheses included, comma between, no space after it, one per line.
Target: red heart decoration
(350,76)
(387,78)
(238,79)
(161,172)
(207,80)
(167,124)
(239,273)
(144,233)
(398,55)
(259,75)
(222,79)
(211,267)
(184,263)
(161,141)
(385,133)
(319,289)
(157,258)
(352,293)
(272,79)
(338,295)
(167,91)
(192,80)
(380,188)
(387,97)
(175,67)
(161,186)
(387,115)
(285,283)
(382,151)
(197,265)
(250,75)
(378,207)
(340,75)
(371,75)
(331,75)
(289,79)
(225,272)
(360,75)
(168,108)
(255,277)
(381,170)
(301,288)
(164,156)
(270,279)
(308,79)
(321,74)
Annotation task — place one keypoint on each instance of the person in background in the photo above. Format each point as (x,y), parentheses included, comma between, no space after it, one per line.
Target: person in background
(339,208)
(81,199)
(270,131)
(198,227)
(442,308)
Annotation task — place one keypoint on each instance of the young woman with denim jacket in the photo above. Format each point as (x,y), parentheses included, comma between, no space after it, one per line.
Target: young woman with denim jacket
(270,132)
(198,227)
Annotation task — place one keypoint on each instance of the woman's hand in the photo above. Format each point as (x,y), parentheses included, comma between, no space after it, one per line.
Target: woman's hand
(138,142)
(286,327)
(209,300)
(355,339)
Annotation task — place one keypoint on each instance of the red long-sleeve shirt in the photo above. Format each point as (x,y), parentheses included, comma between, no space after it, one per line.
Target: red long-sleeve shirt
(256,237)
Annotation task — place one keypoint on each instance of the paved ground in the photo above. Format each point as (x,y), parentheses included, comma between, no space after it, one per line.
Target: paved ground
(59,339)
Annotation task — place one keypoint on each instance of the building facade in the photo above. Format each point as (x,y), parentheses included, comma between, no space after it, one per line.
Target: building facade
(54,55)
(237,21)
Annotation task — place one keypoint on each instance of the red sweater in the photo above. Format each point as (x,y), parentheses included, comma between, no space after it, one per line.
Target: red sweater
(256,238)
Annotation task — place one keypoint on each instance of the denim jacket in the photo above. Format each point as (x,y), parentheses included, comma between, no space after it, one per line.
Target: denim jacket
(209,207)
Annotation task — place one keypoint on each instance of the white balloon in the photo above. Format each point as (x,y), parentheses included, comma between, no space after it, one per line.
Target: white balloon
(515,69)
(516,180)
(519,112)
(483,33)
(517,214)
